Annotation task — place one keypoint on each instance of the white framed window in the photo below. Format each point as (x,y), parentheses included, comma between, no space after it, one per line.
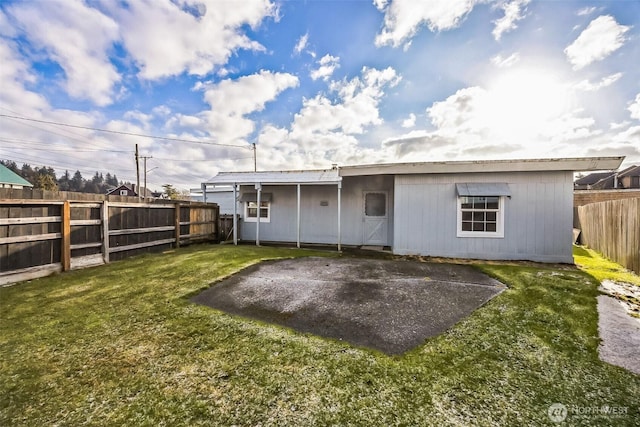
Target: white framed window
(481,216)
(251,211)
(123,192)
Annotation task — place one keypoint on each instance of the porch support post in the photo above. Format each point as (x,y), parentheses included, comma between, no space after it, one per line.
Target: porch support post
(339,214)
(235,213)
(298,223)
(259,188)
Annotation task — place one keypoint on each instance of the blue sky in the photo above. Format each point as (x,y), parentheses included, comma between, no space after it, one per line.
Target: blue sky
(313,83)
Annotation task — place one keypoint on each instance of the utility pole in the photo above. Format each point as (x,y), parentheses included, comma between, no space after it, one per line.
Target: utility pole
(144,197)
(137,171)
(255,161)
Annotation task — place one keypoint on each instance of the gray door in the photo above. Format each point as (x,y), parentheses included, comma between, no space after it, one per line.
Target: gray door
(376,217)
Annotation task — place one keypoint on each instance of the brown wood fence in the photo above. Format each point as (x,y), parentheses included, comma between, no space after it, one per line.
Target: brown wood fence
(613,229)
(38,236)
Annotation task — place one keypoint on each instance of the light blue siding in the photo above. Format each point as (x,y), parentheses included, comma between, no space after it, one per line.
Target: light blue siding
(319,223)
(538,217)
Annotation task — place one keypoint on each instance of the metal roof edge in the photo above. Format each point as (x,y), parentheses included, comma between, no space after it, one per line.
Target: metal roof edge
(519,165)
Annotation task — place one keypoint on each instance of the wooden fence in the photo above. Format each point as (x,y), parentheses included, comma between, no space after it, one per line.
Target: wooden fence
(613,229)
(39,237)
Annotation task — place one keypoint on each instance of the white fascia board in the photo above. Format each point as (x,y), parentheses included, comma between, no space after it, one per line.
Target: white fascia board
(523,165)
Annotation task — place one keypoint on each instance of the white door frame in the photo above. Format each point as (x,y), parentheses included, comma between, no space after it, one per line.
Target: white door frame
(381,221)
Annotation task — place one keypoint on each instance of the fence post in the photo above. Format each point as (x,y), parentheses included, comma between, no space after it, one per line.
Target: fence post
(66,236)
(177,223)
(104,214)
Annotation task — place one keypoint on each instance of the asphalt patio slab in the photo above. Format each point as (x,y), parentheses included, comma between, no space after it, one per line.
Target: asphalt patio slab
(388,305)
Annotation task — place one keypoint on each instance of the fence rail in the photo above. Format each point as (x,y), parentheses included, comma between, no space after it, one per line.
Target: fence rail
(613,228)
(39,236)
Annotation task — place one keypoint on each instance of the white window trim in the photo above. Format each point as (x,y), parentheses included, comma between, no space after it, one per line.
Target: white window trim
(498,234)
(124,192)
(251,219)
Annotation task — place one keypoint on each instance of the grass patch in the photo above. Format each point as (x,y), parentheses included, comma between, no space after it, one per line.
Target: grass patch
(121,345)
(601,268)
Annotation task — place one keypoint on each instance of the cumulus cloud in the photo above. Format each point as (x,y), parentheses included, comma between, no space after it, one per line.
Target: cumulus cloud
(324,130)
(166,38)
(588,86)
(232,100)
(328,64)
(601,38)
(410,121)
(513,12)
(634,108)
(403,18)
(78,38)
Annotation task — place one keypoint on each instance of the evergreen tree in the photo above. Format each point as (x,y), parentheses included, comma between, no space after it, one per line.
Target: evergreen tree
(64,183)
(77,182)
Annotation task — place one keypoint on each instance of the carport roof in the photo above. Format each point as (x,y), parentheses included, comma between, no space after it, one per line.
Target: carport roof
(323,176)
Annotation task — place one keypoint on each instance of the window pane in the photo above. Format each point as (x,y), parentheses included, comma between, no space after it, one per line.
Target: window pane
(491,216)
(264,204)
(478,226)
(466,202)
(466,215)
(491,226)
(252,212)
(492,203)
(375,204)
(479,202)
(466,226)
(264,213)
(478,216)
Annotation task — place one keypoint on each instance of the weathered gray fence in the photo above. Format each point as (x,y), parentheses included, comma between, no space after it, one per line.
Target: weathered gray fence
(38,237)
(613,229)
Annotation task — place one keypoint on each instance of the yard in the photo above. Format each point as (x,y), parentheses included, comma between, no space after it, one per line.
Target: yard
(122,345)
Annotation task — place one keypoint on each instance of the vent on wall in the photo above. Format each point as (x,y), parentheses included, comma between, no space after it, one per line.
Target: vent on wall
(324,203)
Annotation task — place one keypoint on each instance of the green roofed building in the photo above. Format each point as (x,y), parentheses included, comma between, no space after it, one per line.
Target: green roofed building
(10,179)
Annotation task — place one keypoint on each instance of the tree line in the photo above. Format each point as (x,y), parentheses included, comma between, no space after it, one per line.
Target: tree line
(45,178)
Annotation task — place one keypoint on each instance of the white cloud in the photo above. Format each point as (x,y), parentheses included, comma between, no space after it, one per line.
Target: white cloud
(403,18)
(410,121)
(302,44)
(324,130)
(232,100)
(602,37)
(166,39)
(586,11)
(525,113)
(513,12)
(328,65)
(502,62)
(77,37)
(587,86)
(634,108)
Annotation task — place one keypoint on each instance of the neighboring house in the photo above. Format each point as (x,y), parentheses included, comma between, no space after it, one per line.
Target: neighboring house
(123,190)
(222,195)
(627,178)
(10,179)
(130,190)
(504,209)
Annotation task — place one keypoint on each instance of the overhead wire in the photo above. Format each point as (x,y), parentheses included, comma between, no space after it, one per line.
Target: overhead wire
(165,138)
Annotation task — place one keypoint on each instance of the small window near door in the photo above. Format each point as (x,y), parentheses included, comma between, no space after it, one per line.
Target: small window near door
(251,211)
(375,204)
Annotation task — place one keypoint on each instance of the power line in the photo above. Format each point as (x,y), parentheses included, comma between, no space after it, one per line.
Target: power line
(122,132)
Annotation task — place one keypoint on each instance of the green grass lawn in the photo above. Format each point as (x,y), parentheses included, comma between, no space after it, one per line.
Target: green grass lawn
(121,345)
